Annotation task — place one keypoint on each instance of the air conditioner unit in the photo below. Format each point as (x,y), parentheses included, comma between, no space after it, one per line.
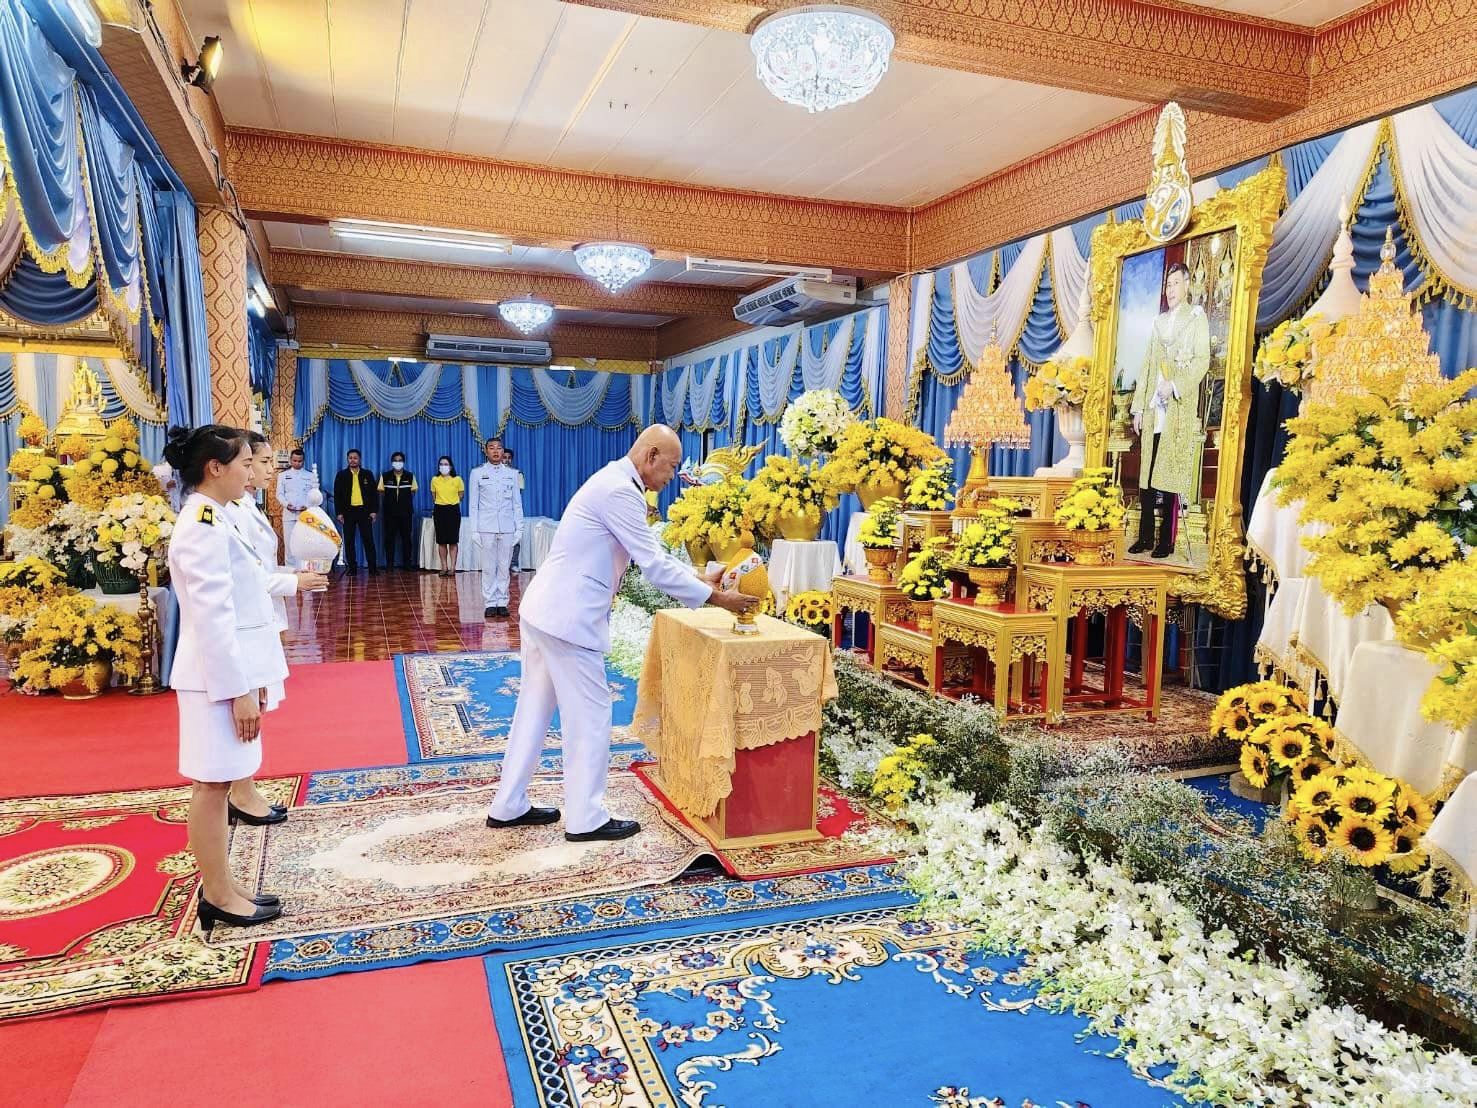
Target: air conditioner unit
(797,299)
(459,348)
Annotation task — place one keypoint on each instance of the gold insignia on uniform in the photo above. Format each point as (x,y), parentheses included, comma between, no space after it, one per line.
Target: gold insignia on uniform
(207,514)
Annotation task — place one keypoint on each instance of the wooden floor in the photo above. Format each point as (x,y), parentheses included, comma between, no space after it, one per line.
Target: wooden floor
(363,618)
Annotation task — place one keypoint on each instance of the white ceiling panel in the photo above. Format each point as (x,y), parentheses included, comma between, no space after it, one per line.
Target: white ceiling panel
(366,40)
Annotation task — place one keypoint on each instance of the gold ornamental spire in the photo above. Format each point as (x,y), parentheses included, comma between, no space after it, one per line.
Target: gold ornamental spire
(988,412)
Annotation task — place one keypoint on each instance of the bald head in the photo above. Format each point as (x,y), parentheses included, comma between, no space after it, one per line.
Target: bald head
(656,455)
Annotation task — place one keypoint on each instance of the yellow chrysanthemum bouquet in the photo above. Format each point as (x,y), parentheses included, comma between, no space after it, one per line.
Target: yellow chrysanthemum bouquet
(987,543)
(41,482)
(932,489)
(71,632)
(26,586)
(880,529)
(785,489)
(1287,354)
(1369,818)
(710,514)
(32,429)
(1093,503)
(926,576)
(878,452)
(899,775)
(114,467)
(812,610)
(1058,382)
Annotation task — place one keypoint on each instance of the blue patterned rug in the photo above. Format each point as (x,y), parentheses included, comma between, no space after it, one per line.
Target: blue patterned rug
(461,705)
(800,1009)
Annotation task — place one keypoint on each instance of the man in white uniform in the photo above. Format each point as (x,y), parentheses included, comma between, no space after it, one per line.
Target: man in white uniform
(564,624)
(293,486)
(496,510)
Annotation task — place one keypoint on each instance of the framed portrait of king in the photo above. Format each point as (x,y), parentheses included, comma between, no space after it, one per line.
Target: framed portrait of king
(1166,406)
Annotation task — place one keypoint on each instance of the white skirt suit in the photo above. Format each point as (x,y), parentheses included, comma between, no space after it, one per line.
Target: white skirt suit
(229,644)
(281,581)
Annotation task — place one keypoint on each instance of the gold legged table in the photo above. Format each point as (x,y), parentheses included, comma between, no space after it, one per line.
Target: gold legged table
(1123,592)
(881,601)
(1007,638)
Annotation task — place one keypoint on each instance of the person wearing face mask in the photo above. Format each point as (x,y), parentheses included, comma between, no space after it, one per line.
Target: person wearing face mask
(397,495)
(446,513)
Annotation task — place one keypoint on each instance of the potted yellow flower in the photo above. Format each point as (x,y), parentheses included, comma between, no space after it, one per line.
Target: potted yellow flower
(812,610)
(986,551)
(1371,819)
(878,535)
(32,430)
(1237,717)
(26,586)
(932,489)
(1094,505)
(925,579)
(789,498)
(1061,384)
(731,528)
(75,646)
(131,531)
(114,467)
(877,458)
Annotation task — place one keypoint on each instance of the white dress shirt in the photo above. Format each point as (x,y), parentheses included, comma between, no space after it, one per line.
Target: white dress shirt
(493,503)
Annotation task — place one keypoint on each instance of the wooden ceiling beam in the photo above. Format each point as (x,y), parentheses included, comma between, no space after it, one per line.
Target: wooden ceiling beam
(1213,61)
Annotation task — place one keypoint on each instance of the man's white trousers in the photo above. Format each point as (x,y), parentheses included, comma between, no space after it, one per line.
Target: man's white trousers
(557,674)
(495,555)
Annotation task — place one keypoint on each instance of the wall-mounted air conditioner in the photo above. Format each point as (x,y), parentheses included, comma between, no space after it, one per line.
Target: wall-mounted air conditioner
(459,348)
(797,299)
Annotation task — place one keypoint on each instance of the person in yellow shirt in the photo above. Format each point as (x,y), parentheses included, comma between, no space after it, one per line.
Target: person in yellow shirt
(447,490)
(356,501)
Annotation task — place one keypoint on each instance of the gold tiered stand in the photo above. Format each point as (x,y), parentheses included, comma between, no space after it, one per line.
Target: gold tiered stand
(882,602)
(918,527)
(1041,495)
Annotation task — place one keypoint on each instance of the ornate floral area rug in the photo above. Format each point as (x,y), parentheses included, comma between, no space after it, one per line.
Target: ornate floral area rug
(97,903)
(861,1007)
(648,911)
(430,855)
(461,705)
(841,819)
(378,782)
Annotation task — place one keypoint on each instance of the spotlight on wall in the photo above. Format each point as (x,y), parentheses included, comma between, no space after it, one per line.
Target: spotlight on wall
(201,73)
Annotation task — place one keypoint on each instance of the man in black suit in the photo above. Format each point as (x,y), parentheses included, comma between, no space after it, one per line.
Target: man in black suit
(356,499)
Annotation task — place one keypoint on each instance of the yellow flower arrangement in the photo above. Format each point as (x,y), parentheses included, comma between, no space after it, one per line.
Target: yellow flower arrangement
(1292,745)
(987,542)
(880,529)
(1056,382)
(785,487)
(704,513)
(113,467)
(25,586)
(1442,623)
(32,429)
(1287,355)
(134,529)
(1093,503)
(1242,713)
(932,489)
(1371,818)
(926,576)
(72,631)
(812,610)
(898,775)
(41,481)
(879,450)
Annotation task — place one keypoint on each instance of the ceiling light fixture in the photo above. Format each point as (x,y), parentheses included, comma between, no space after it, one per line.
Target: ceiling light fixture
(415,235)
(526,314)
(201,73)
(613,264)
(821,57)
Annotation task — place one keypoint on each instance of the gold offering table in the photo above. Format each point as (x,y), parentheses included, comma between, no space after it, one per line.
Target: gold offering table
(881,602)
(1122,592)
(734,722)
(1045,540)
(1040,495)
(1012,654)
(917,527)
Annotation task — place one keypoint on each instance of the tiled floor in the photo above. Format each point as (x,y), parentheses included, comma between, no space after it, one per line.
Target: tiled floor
(365,618)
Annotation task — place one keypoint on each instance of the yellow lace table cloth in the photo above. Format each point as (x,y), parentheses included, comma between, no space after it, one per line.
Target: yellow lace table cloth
(706,692)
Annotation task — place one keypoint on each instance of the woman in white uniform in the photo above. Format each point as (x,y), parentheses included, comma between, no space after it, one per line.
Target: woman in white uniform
(229,658)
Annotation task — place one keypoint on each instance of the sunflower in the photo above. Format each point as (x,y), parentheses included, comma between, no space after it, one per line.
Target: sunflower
(1232,721)
(1412,808)
(1313,837)
(1367,799)
(1309,768)
(1409,861)
(1289,747)
(1325,739)
(1254,766)
(1366,842)
(1268,700)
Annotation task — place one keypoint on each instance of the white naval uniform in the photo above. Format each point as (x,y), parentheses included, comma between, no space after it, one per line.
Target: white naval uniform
(228,640)
(252,522)
(564,623)
(293,486)
(496,511)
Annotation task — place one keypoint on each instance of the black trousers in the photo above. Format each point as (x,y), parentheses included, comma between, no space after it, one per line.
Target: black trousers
(1151,499)
(398,526)
(358,524)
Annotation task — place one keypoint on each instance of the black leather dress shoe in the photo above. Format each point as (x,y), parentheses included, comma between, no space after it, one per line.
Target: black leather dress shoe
(1162,552)
(488,612)
(501,611)
(277,815)
(1140,547)
(534,817)
(610,829)
(210,915)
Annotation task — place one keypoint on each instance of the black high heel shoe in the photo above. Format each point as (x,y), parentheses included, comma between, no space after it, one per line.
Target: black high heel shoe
(266,900)
(211,915)
(278,814)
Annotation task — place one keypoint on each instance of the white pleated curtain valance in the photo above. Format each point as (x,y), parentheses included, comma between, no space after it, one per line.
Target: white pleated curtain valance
(1003,312)
(397,402)
(823,371)
(572,405)
(1436,188)
(42,383)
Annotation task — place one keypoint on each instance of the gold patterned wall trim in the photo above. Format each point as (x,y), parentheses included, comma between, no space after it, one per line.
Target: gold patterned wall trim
(1377,60)
(286,175)
(405,333)
(899,336)
(223,269)
(1222,62)
(357,273)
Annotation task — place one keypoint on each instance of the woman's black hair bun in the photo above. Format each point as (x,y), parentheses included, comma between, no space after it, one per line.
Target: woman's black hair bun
(176,447)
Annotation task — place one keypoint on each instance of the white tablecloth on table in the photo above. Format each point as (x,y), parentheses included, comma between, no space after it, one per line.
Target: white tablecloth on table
(166,613)
(1380,716)
(799,567)
(533,545)
(852,551)
(1274,536)
(1327,638)
(1454,832)
(1274,646)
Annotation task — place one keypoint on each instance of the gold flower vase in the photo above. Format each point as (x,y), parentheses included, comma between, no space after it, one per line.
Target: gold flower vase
(922,614)
(699,552)
(869,492)
(96,676)
(879,561)
(799,528)
(726,547)
(1087,552)
(992,583)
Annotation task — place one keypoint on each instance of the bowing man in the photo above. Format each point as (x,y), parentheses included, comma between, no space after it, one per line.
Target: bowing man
(564,624)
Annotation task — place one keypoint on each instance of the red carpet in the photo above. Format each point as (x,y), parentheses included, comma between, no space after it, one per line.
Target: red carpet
(418,1036)
(336,715)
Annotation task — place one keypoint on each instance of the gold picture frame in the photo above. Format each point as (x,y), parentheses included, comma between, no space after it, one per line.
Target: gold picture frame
(1243,216)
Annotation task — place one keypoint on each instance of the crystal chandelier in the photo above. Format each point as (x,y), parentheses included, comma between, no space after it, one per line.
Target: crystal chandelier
(528,314)
(613,264)
(988,412)
(821,57)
